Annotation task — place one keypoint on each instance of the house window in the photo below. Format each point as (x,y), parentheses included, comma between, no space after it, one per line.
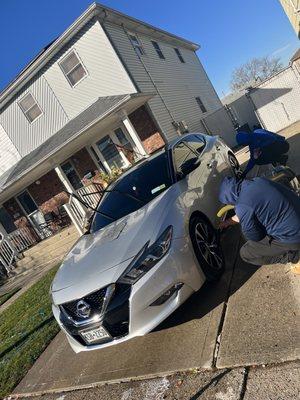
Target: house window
(158,50)
(201,105)
(27,202)
(136,44)
(99,162)
(122,138)
(30,107)
(110,152)
(72,175)
(179,55)
(73,68)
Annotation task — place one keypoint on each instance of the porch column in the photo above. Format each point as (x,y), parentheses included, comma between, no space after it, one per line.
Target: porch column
(78,214)
(64,180)
(132,132)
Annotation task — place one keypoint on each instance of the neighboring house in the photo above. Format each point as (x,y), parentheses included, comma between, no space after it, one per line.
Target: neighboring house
(108,90)
(241,109)
(292,10)
(276,100)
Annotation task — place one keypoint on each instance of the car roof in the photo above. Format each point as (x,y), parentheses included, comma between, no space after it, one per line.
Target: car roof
(172,143)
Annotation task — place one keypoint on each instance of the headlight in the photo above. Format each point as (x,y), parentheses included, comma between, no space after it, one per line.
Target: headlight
(147,257)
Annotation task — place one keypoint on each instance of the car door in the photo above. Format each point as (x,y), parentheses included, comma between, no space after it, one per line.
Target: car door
(187,169)
(210,173)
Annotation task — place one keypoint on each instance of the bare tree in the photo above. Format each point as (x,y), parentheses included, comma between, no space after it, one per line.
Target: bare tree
(257,68)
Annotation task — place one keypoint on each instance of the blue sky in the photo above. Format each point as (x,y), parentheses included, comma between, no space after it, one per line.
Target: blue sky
(230,32)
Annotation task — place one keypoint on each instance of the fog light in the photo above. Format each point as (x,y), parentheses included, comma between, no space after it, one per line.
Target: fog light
(165,296)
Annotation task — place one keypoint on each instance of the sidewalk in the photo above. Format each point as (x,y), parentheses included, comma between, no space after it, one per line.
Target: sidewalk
(278,382)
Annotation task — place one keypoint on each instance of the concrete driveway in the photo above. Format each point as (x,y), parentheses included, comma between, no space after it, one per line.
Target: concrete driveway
(250,317)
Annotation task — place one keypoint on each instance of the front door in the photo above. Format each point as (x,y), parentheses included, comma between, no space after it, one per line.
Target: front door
(34,215)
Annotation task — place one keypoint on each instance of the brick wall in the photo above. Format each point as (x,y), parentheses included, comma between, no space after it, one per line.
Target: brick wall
(146,129)
(49,193)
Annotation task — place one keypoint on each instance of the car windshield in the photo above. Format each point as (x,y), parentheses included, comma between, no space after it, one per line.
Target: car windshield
(132,191)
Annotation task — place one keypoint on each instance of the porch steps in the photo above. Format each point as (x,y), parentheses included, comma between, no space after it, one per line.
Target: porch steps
(48,251)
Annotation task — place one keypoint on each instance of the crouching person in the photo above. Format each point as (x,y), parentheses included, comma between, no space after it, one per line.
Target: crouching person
(269,214)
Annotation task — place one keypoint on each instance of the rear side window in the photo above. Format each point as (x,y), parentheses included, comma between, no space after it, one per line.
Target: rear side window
(197,143)
(183,157)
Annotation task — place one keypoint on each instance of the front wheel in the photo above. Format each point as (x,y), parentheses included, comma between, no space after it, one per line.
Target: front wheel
(235,165)
(207,248)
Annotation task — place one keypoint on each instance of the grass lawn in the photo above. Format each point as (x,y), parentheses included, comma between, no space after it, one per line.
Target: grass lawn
(7,296)
(26,328)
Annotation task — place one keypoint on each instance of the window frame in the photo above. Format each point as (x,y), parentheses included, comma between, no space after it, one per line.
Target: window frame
(179,55)
(175,166)
(158,50)
(139,46)
(80,62)
(201,104)
(26,112)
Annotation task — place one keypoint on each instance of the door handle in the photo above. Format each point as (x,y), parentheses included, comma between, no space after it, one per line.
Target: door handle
(210,165)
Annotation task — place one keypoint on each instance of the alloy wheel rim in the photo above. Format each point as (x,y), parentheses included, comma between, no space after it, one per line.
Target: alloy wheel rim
(207,244)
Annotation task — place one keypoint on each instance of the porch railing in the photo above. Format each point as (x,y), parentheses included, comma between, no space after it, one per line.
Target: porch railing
(7,253)
(77,212)
(84,193)
(22,239)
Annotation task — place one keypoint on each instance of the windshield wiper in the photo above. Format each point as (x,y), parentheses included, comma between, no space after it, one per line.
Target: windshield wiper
(88,206)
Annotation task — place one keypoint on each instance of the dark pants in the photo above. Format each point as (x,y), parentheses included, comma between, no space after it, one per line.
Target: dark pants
(275,152)
(269,251)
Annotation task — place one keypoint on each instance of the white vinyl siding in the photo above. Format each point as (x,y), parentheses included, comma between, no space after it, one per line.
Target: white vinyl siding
(27,136)
(106,75)
(178,83)
(9,155)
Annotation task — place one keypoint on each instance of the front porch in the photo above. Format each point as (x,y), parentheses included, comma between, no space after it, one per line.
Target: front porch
(39,195)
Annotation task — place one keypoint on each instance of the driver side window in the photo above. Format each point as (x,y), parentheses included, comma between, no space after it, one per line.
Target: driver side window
(185,159)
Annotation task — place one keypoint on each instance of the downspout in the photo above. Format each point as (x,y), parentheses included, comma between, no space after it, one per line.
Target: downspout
(102,23)
(152,80)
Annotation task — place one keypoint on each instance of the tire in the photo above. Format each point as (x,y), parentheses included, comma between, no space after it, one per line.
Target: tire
(235,165)
(207,248)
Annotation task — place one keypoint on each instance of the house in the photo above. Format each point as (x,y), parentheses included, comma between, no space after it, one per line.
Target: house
(292,10)
(107,91)
(276,99)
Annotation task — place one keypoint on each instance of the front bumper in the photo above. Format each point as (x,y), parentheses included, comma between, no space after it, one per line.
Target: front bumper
(130,312)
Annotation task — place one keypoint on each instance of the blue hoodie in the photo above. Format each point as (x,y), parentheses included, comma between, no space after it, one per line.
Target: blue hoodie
(258,139)
(264,208)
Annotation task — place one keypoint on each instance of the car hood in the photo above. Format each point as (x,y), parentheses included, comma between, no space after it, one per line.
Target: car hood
(98,259)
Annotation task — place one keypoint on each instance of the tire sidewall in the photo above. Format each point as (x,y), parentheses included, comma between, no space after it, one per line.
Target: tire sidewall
(210,273)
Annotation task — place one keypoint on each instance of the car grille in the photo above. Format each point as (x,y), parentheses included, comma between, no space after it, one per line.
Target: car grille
(115,319)
(95,300)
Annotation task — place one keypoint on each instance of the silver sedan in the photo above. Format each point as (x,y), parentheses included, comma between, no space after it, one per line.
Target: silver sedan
(152,243)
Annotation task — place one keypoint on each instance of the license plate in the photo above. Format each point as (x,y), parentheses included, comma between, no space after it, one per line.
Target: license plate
(95,335)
